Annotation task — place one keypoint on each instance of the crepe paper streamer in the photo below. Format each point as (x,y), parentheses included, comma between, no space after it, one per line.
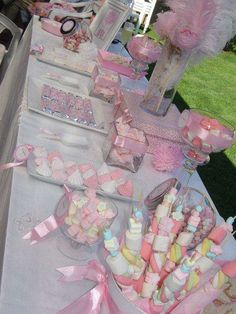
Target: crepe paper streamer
(21,154)
(95,299)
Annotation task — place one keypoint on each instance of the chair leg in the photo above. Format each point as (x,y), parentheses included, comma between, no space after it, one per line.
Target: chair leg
(140,20)
(147,22)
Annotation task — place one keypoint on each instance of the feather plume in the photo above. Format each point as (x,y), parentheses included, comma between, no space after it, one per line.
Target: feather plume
(201,27)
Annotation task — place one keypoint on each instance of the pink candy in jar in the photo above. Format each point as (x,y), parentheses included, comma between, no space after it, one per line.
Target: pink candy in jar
(204,133)
(75,32)
(125,146)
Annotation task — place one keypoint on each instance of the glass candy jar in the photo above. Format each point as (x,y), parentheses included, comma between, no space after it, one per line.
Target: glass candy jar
(104,84)
(75,32)
(167,73)
(125,146)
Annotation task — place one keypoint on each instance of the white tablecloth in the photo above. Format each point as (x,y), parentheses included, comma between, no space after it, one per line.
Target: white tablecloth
(29,279)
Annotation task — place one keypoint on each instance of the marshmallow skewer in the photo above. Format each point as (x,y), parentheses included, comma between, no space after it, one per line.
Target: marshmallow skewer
(172,285)
(163,210)
(160,248)
(116,261)
(161,227)
(133,239)
(184,239)
(211,290)
(206,252)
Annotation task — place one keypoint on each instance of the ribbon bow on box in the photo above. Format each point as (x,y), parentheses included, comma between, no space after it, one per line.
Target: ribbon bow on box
(95,299)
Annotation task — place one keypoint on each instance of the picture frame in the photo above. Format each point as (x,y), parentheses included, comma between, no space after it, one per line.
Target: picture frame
(108,22)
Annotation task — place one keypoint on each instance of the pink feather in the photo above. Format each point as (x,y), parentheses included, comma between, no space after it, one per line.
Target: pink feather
(198,14)
(187,23)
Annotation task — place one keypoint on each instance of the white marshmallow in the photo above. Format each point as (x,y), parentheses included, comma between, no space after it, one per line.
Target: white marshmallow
(185,238)
(118,264)
(44,169)
(75,178)
(133,241)
(161,243)
(147,290)
(109,187)
(204,264)
(161,211)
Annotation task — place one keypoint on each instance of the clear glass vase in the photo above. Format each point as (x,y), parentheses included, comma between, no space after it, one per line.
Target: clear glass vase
(166,75)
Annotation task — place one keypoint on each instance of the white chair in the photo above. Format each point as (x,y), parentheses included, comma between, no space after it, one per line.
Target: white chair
(145,10)
(9,53)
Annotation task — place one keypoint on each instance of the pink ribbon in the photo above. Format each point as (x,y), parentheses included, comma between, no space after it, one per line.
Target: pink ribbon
(21,154)
(10,165)
(92,301)
(128,142)
(49,224)
(42,229)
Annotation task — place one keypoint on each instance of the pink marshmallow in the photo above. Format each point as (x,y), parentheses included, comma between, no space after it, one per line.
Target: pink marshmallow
(73,230)
(116,174)
(53,155)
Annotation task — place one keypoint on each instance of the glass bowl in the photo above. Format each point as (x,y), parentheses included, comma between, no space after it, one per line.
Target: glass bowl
(82,224)
(205,131)
(189,198)
(144,49)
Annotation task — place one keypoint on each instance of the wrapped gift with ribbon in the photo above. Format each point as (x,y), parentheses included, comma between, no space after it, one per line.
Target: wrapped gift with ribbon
(125,146)
(95,299)
(117,63)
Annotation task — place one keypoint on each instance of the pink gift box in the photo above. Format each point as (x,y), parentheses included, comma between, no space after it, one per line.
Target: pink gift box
(124,151)
(116,63)
(52,27)
(104,84)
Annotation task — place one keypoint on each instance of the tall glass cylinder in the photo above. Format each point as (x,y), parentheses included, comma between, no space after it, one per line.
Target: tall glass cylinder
(166,75)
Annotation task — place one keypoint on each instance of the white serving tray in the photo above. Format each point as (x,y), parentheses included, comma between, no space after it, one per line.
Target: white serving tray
(102,111)
(84,69)
(31,170)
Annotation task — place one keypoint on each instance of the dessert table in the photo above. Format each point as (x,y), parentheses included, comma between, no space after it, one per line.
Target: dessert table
(29,280)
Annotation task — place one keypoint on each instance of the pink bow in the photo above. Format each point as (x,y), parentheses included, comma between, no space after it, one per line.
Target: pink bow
(91,301)
(125,117)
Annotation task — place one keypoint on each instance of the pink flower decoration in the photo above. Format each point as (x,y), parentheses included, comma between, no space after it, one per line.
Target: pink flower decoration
(167,157)
(185,38)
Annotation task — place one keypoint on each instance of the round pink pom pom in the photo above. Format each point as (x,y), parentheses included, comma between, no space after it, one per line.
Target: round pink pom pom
(167,157)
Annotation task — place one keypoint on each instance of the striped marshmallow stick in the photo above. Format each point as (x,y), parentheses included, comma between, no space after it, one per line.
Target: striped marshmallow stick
(160,248)
(208,251)
(163,210)
(172,285)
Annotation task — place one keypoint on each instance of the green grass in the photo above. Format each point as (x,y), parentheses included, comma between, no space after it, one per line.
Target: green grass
(212,86)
